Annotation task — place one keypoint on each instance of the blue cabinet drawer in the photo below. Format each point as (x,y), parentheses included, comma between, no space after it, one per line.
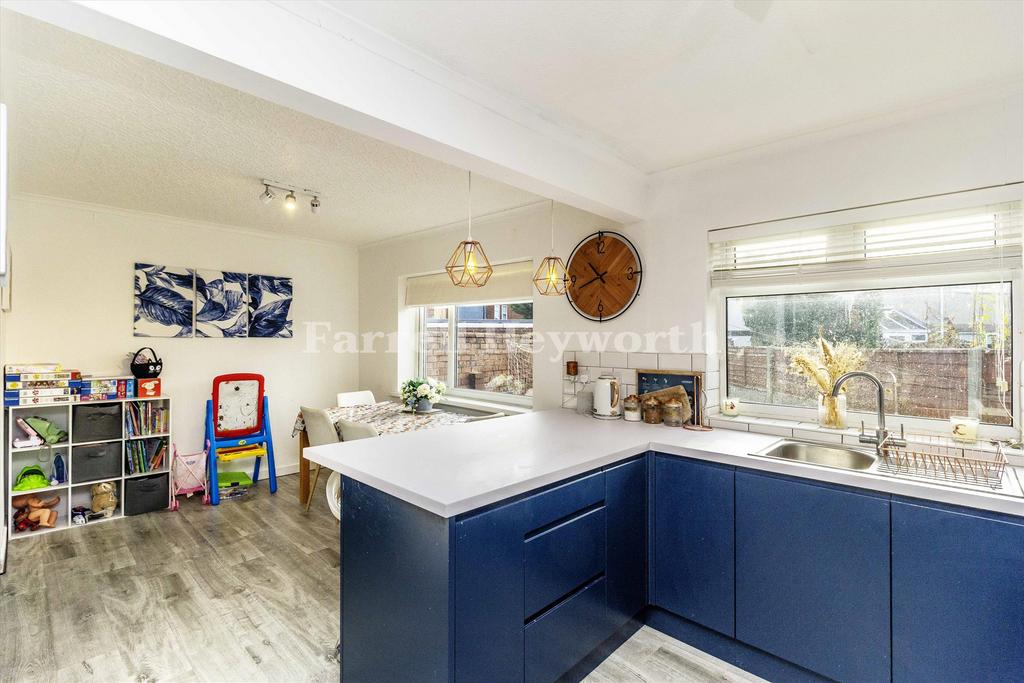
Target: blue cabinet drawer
(548,507)
(564,635)
(561,559)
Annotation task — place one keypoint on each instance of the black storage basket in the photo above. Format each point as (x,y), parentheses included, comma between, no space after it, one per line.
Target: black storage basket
(146,369)
(95,463)
(146,494)
(98,422)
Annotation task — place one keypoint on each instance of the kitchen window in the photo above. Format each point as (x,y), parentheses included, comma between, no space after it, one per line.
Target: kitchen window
(940,351)
(479,350)
(927,297)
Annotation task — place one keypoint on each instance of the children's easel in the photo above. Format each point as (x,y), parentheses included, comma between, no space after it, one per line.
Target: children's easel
(238,426)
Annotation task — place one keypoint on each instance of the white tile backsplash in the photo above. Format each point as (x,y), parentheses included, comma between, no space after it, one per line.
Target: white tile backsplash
(590,358)
(613,359)
(722,423)
(644,361)
(675,361)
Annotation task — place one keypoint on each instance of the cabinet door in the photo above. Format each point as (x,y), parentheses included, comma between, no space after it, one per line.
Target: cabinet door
(693,541)
(812,575)
(957,595)
(626,504)
(489,591)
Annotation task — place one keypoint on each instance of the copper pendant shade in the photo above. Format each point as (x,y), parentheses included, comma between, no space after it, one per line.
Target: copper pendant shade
(550,277)
(468,266)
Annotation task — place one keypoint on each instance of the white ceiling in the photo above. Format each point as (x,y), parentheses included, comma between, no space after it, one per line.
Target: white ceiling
(94,123)
(666,83)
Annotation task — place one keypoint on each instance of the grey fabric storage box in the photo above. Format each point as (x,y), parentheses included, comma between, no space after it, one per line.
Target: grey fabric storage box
(146,494)
(95,422)
(96,462)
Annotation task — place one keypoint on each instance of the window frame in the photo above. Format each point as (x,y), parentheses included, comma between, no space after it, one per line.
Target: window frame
(452,350)
(900,277)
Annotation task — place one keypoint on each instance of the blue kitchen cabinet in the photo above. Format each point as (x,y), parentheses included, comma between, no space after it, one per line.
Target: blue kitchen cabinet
(529,584)
(957,594)
(812,575)
(626,502)
(694,552)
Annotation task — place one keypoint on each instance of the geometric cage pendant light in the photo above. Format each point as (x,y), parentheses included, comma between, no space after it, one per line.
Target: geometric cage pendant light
(468,265)
(550,277)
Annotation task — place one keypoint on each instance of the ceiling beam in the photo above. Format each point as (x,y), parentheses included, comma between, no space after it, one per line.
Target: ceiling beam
(310,58)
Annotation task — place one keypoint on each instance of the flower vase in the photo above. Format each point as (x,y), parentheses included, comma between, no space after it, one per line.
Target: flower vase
(832,411)
(423,406)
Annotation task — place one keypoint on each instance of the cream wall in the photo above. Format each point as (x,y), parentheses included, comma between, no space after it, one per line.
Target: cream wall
(72,302)
(929,152)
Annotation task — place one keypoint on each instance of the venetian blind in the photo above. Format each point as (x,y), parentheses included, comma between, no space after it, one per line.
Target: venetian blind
(508,282)
(963,236)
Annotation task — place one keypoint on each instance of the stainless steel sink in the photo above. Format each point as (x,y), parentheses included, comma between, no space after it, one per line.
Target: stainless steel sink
(828,455)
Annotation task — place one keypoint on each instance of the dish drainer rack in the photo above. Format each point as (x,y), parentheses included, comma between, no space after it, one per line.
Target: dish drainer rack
(934,459)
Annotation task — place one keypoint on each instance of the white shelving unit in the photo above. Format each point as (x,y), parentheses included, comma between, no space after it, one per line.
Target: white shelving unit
(75,491)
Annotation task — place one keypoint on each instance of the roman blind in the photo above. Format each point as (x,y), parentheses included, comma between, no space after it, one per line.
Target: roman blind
(509,282)
(975,235)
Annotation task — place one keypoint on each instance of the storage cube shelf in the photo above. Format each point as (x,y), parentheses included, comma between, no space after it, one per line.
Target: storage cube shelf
(105,442)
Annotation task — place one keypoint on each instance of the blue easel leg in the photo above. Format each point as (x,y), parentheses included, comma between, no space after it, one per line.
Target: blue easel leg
(211,459)
(271,467)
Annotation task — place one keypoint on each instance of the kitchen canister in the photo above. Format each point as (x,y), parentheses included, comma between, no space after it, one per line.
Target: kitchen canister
(672,412)
(652,410)
(631,411)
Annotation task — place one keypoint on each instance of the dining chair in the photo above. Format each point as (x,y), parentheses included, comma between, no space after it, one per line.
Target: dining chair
(350,431)
(347,399)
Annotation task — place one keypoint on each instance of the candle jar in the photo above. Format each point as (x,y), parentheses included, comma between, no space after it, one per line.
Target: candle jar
(652,410)
(572,368)
(965,429)
(631,411)
(730,406)
(672,413)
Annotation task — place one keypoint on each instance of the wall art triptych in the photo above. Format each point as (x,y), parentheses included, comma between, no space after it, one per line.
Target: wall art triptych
(189,302)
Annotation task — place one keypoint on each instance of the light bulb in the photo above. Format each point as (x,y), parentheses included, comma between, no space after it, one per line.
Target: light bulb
(289,201)
(553,275)
(471,263)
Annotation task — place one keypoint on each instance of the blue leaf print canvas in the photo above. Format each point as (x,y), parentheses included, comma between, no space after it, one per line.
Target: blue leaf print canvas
(221,304)
(164,301)
(270,301)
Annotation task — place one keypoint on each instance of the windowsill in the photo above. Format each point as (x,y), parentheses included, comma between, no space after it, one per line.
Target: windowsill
(483,406)
(815,432)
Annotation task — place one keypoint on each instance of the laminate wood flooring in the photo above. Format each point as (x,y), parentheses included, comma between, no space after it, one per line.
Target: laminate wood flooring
(246,591)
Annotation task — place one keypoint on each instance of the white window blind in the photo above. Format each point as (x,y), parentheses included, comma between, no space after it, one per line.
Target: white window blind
(962,236)
(508,282)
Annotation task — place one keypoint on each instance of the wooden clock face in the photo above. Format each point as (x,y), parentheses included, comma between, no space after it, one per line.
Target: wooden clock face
(604,276)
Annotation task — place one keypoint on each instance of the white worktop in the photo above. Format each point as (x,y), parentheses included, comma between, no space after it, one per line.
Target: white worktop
(458,468)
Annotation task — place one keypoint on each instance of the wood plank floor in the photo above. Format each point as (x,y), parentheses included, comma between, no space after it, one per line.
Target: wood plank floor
(246,591)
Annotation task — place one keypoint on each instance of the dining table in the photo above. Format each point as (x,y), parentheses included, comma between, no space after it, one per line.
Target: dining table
(388,417)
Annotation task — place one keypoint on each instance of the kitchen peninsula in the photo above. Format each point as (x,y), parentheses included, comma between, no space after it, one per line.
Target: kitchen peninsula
(528,547)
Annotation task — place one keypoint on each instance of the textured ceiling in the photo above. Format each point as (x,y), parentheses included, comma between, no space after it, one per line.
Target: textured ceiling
(97,124)
(665,83)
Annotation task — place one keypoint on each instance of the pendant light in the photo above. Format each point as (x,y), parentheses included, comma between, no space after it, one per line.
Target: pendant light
(468,265)
(550,276)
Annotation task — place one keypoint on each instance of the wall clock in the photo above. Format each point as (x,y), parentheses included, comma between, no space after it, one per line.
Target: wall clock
(604,276)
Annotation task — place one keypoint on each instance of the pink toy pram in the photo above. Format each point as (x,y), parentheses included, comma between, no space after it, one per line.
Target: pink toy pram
(188,475)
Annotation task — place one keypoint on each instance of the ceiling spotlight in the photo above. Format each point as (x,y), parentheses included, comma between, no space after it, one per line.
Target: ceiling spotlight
(267,195)
(289,201)
(314,205)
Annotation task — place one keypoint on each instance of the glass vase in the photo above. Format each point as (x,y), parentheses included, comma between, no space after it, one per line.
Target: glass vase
(832,411)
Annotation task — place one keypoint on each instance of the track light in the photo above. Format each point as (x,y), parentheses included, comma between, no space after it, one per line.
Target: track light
(291,199)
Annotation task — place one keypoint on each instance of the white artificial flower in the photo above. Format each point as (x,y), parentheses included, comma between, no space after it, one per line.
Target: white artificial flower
(423,390)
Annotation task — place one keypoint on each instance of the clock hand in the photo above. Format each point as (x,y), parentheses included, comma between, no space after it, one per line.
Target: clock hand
(589,282)
(593,269)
